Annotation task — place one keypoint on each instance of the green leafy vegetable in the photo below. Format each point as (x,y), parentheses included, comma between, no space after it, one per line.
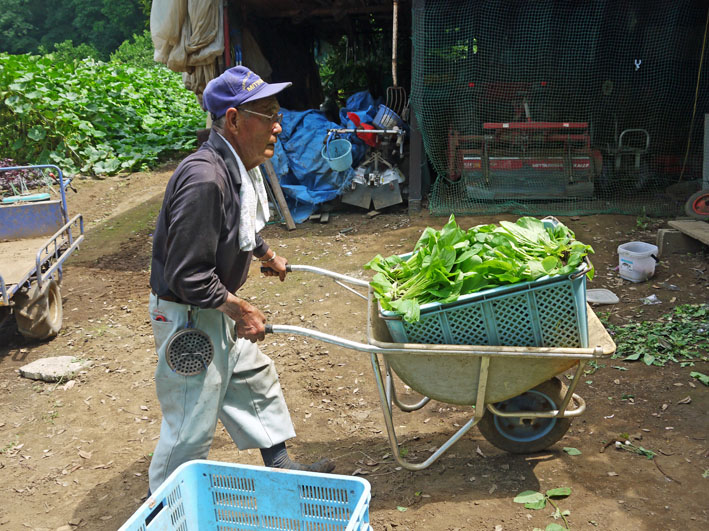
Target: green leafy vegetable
(529,497)
(560,492)
(630,447)
(679,336)
(93,117)
(452,262)
(701,377)
(536,500)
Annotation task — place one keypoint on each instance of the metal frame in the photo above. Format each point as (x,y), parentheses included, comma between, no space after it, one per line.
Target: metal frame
(55,250)
(385,382)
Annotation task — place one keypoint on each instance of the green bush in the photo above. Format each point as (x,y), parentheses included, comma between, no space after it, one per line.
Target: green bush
(93,117)
(67,52)
(136,52)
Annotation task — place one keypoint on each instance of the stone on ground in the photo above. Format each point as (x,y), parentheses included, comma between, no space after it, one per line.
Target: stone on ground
(54,369)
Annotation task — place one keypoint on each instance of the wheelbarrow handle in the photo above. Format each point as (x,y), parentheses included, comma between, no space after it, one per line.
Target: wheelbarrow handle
(323,272)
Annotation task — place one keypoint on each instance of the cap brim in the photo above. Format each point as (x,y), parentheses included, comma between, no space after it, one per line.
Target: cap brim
(271,89)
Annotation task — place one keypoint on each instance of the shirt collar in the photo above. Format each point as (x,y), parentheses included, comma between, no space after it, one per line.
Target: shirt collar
(231,159)
(231,148)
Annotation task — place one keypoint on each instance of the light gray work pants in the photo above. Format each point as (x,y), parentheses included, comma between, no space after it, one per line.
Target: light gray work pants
(240,387)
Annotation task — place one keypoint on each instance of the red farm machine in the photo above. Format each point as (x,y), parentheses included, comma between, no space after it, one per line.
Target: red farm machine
(523,158)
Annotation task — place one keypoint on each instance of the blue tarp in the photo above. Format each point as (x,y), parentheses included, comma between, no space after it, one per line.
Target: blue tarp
(305,177)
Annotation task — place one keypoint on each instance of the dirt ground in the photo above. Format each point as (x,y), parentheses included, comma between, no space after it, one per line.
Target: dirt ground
(75,454)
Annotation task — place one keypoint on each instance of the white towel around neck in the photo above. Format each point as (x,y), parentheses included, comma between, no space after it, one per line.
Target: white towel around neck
(254,203)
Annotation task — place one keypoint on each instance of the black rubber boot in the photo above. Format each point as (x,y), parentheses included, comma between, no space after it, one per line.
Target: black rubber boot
(277,457)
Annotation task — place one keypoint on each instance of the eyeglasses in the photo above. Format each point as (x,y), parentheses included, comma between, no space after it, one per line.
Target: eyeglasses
(273,118)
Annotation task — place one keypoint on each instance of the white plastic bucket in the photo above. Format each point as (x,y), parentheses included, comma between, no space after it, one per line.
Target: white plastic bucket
(637,261)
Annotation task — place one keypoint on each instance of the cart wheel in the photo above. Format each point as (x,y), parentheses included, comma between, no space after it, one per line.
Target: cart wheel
(38,312)
(697,206)
(525,436)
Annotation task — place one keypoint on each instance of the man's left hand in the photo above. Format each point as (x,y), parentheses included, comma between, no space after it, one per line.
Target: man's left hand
(275,267)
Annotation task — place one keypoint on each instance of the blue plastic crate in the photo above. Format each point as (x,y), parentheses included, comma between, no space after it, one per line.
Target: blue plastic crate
(222,496)
(549,312)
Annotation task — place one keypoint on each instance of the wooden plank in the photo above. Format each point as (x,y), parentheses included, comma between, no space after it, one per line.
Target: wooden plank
(278,193)
(699,230)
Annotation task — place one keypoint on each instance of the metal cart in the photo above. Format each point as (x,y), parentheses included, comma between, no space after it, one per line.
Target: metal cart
(36,238)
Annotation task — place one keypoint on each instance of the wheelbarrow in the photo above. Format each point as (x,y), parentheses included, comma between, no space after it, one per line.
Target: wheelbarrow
(520,405)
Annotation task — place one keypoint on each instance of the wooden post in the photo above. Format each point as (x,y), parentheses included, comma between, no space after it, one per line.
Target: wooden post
(278,193)
(416,150)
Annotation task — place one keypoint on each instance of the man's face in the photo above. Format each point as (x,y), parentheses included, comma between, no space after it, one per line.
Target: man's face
(257,135)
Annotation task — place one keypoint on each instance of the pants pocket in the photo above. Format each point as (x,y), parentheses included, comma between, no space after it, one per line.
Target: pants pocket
(161,332)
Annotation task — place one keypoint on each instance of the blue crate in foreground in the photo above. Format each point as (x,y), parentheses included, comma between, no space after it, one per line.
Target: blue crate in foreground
(223,496)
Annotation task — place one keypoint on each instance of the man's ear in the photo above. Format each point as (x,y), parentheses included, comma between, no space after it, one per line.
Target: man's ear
(232,119)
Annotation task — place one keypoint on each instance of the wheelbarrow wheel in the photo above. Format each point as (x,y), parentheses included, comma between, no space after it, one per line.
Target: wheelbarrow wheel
(525,436)
(38,311)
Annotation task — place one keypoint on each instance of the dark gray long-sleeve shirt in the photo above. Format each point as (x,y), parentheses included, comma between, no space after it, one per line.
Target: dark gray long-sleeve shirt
(196,255)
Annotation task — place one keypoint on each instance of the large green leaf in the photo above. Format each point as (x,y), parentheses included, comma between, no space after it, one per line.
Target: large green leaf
(560,492)
(536,505)
(36,133)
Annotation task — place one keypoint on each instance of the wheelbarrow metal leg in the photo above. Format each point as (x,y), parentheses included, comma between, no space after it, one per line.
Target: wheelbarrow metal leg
(572,388)
(482,387)
(562,412)
(578,410)
(391,432)
(391,394)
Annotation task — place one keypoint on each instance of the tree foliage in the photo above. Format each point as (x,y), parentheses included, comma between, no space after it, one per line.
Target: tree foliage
(68,52)
(137,51)
(25,25)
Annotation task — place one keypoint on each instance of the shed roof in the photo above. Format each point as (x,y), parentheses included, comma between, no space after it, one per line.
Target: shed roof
(300,10)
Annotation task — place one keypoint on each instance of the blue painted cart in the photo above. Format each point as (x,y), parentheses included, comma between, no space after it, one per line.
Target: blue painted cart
(36,238)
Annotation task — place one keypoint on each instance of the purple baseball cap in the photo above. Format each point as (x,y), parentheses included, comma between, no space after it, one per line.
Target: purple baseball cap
(236,86)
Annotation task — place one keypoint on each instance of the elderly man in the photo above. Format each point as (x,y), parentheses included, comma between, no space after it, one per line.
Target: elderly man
(206,234)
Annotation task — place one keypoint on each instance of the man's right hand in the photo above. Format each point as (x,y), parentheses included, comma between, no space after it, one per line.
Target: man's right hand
(250,321)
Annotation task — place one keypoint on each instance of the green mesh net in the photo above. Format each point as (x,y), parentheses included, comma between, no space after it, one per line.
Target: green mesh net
(551,107)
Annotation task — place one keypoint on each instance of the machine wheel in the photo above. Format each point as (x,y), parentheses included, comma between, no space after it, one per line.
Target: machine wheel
(38,312)
(525,436)
(697,206)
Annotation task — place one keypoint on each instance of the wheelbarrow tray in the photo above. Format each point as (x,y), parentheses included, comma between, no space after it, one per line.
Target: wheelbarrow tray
(454,378)
(38,253)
